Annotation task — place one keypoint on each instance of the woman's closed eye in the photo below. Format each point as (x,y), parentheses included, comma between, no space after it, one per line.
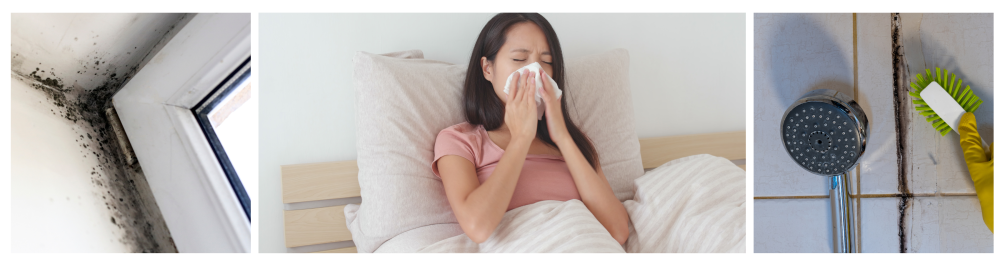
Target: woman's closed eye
(521,60)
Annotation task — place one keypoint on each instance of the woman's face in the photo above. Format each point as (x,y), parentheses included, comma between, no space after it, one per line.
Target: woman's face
(525,44)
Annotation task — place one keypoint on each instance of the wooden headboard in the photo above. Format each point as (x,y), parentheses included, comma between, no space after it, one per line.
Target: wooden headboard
(330,181)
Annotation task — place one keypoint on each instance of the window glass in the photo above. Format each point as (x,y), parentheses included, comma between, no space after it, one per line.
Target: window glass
(228,117)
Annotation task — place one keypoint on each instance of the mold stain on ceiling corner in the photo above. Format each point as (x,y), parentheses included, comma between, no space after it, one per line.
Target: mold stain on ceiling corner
(79,61)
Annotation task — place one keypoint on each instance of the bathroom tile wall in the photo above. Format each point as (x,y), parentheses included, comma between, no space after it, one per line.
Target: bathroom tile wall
(948,218)
(875,95)
(794,54)
(879,229)
(801,225)
(797,53)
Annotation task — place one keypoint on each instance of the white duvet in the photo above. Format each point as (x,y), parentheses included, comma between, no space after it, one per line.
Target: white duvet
(545,226)
(692,204)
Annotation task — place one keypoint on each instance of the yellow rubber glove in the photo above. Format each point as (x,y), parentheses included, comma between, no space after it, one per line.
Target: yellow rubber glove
(980,165)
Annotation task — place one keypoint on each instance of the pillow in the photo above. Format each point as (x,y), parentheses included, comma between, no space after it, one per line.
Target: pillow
(690,204)
(600,103)
(403,102)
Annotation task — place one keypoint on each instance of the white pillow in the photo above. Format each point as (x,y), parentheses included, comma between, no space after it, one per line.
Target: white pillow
(691,204)
(403,102)
(600,103)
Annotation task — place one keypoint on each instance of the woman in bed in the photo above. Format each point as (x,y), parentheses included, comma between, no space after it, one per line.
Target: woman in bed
(504,157)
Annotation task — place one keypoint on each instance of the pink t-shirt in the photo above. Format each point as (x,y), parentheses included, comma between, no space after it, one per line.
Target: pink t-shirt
(543,177)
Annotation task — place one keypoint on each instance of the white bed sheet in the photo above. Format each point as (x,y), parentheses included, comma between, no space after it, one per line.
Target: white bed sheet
(692,204)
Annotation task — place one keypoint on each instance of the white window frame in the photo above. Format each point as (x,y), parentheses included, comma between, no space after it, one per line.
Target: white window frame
(191,189)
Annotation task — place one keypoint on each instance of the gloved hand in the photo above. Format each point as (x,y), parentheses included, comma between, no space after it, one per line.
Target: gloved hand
(980,165)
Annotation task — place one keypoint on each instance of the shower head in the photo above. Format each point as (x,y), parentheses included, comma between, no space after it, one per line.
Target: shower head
(825,132)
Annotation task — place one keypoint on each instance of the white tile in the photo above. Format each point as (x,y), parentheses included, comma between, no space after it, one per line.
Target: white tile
(952,173)
(947,224)
(793,225)
(875,95)
(794,54)
(923,222)
(879,225)
(921,139)
(963,44)
(923,156)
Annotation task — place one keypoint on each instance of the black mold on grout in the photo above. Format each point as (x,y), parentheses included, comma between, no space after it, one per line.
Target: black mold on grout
(900,106)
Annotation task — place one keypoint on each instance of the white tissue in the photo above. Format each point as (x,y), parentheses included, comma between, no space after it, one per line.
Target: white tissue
(533,67)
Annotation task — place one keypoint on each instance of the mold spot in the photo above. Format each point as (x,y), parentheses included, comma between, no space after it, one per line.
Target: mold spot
(140,222)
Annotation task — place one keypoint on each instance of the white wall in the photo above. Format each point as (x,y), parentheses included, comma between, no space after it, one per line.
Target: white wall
(687,77)
(69,46)
(55,204)
(65,191)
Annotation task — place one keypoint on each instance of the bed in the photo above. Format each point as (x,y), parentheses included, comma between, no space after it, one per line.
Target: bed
(678,189)
(329,181)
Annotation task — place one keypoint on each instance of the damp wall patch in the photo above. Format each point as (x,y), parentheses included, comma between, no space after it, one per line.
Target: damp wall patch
(78,62)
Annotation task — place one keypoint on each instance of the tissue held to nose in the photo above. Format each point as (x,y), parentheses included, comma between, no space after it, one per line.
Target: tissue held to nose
(533,67)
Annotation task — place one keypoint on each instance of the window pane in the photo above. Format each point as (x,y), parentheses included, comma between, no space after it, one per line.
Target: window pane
(235,122)
(228,117)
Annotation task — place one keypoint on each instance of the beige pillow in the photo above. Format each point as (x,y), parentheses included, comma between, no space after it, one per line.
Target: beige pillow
(403,102)
(600,103)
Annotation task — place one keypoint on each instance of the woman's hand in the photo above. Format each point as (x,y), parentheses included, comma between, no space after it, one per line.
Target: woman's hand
(520,111)
(553,113)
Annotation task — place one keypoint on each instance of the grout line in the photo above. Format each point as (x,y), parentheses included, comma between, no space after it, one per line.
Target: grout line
(791,197)
(854,18)
(914,195)
(857,173)
(898,102)
(954,194)
(866,196)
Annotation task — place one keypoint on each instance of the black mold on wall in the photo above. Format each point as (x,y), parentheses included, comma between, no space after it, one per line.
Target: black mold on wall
(126,193)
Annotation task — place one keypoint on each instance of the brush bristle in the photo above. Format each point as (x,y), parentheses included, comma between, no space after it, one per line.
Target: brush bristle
(953,86)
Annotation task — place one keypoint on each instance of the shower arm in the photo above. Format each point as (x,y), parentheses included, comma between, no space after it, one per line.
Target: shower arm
(845,233)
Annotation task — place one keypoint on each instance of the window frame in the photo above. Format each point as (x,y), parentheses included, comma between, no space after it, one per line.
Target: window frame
(190,186)
(201,112)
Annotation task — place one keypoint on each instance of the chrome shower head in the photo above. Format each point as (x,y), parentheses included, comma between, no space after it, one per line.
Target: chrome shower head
(825,132)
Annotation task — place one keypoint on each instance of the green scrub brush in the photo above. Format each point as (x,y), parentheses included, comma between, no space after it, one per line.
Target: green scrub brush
(943,105)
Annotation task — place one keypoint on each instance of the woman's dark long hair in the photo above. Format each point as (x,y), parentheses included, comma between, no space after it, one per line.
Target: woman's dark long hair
(483,107)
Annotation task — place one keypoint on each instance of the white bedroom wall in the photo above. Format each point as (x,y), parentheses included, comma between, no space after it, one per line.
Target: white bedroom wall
(687,77)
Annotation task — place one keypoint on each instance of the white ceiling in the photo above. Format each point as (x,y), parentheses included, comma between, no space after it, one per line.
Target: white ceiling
(86,50)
